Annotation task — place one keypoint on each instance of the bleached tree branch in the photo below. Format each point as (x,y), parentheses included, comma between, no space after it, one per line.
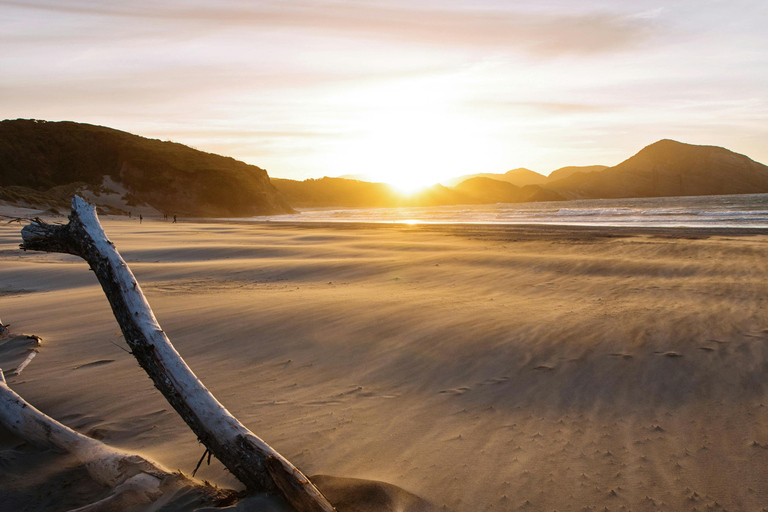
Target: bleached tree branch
(252,461)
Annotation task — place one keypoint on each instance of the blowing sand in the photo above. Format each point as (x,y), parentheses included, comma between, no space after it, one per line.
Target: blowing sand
(478,368)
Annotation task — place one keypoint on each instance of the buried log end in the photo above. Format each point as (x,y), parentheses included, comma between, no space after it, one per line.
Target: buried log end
(299,491)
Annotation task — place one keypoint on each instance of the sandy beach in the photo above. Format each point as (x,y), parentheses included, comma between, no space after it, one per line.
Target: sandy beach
(480,368)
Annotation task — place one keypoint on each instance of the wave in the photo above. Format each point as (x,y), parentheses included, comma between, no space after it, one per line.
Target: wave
(742,211)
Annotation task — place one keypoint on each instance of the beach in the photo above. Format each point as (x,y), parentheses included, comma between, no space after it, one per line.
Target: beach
(478,367)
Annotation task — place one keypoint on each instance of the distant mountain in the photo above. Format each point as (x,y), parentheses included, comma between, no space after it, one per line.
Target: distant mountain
(356,177)
(485,190)
(669,168)
(336,192)
(45,163)
(522,177)
(39,156)
(328,192)
(519,177)
(436,195)
(564,172)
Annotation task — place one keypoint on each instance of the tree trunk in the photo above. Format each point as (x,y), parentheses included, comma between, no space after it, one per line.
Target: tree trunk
(248,458)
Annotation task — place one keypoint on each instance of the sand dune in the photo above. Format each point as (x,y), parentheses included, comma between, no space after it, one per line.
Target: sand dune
(477,368)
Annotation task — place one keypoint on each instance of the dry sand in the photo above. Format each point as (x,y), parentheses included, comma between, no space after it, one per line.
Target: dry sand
(479,368)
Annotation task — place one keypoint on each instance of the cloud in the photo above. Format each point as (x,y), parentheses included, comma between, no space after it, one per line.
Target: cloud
(543,34)
(556,108)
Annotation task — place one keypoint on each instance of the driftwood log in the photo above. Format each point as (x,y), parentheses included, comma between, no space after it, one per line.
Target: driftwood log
(133,479)
(252,461)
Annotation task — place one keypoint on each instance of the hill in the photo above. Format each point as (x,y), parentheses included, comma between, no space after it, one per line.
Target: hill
(564,172)
(670,168)
(328,192)
(485,190)
(336,192)
(37,157)
(342,192)
(519,177)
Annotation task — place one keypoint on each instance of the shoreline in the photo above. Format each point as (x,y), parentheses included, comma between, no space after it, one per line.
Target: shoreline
(529,230)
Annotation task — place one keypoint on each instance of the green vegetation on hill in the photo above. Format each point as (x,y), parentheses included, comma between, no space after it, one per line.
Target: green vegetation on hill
(168,176)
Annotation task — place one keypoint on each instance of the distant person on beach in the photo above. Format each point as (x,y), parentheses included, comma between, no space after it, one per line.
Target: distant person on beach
(174,218)
(141,218)
(129,215)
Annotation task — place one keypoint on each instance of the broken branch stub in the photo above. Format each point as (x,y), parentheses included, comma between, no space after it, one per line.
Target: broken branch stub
(246,456)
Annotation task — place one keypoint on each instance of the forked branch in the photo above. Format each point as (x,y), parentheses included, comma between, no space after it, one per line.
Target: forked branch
(252,461)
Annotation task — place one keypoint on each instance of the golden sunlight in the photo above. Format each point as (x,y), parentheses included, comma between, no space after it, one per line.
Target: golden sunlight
(413,135)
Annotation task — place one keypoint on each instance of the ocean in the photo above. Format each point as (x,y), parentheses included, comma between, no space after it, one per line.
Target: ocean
(730,211)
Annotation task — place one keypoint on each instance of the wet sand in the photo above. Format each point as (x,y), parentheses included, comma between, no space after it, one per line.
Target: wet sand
(479,367)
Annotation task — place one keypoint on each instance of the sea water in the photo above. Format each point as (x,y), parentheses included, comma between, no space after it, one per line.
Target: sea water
(732,211)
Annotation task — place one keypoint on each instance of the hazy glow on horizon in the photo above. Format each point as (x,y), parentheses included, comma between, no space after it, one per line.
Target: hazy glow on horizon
(404,92)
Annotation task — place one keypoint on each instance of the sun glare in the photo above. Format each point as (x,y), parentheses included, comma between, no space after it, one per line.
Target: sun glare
(412,136)
(409,187)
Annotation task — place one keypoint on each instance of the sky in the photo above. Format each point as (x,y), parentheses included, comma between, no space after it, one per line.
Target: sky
(407,92)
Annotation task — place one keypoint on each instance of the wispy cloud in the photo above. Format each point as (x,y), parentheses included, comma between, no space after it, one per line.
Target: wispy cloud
(544,34)
(556,108)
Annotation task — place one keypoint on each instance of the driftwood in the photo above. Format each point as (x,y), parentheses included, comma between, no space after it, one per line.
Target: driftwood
(252,461)
(134,480)
(14,343)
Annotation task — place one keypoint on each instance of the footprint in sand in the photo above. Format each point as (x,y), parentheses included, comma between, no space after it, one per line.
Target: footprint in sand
(455,391)
(100,362)
(670,353)
(270,402)
(325,402)
(495,380)
(357,390)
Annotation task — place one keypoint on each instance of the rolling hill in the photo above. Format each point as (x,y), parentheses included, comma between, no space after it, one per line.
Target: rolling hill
(45,163)
(38,158)
(564,172)
(665,168)
(336,192)
(485,190)
(519,177)
(669,168)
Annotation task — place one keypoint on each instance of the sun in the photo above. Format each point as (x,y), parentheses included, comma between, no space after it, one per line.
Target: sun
(413,136)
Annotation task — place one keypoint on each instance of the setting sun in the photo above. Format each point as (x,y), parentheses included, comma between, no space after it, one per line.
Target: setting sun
(414,134)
